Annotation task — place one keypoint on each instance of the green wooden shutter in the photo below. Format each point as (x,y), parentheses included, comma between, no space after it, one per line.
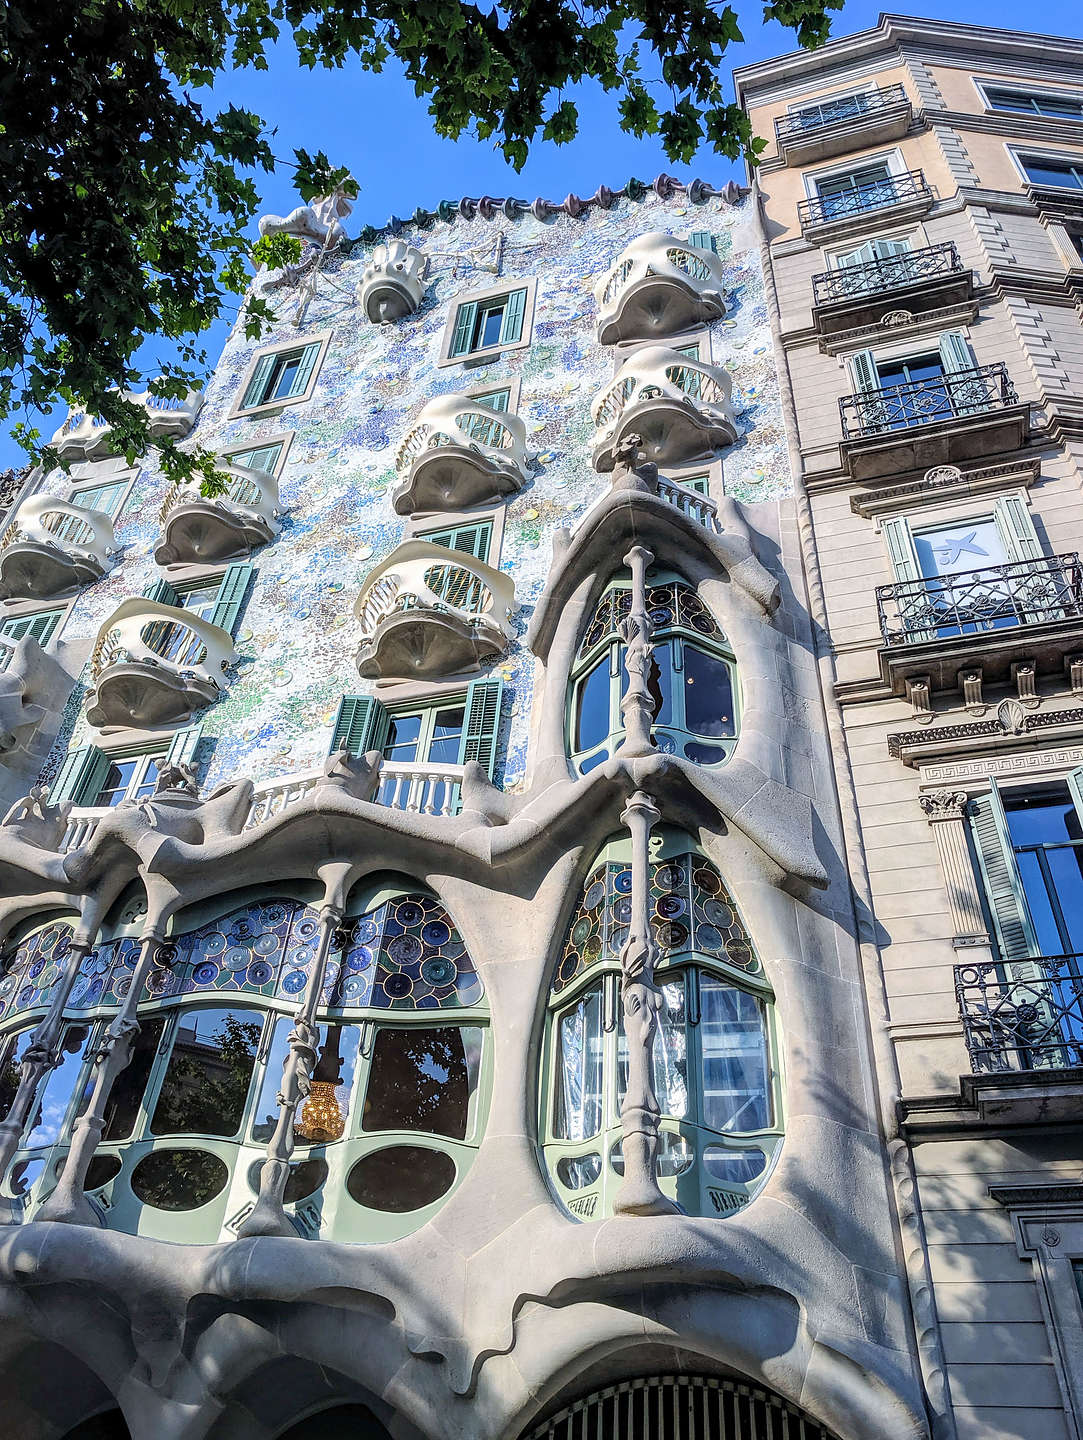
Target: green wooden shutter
(231,597)
(511,327)
(361,725)
(482,725)
(162,593)
(303,373)
(884,249)
(466,539)
(864,371)
(183,746)
(80,776)
(904,565)
(495,400)
(464,327)
(264,457)
(955,352)
(40,626)
(1003,889)
(257,386)
(1017,528)
(703,240)
(860,256)
(105,498)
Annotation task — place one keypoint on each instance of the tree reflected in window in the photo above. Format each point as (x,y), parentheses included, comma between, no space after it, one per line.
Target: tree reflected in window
(210,1070)
(423,1080)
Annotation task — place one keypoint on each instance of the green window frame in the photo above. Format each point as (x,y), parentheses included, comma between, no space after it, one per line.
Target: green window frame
(260,457)
(485,325)
(475,539)
(230,597)
(108,497)
(281,375)
(84,771)
(701,484)
(39,625)
(688,647)
(498,399)
(703,240)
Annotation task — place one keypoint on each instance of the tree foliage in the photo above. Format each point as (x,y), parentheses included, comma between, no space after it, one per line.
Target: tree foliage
(126,201)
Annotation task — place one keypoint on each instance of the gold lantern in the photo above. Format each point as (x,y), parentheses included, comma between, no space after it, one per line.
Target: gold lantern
(321,1116)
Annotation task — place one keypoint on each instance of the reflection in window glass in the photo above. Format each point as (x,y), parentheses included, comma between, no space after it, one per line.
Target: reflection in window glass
(735,1069)
(592,711)
(1047,839)
(59,1087)
(670,1053)
(127,1094)
(210,1068)
(708,694)
(336,1063)
(14,1049)
(579,1082)
(423,1080)
(179,1179)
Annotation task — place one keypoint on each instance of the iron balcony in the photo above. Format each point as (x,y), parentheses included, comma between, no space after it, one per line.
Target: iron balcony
(834,126)
(925,402)
(858,296)
(904,195)
(1022,1015)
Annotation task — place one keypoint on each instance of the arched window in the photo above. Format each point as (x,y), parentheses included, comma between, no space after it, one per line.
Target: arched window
(693,678)
(398,1097)
(715,1066)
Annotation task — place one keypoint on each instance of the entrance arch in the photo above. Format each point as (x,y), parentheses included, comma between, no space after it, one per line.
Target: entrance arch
(343,1422)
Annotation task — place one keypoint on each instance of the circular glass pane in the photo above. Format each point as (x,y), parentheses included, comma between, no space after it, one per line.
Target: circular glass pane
(733,1167)
(675,1156)
(179,1179)
(576,1172)
(401,1178)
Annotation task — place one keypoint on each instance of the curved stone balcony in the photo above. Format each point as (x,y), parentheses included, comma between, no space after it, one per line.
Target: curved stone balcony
(393,284)
(678,406)
(86,437)
(207,532)
(460,453)
(428,612)
(156,665)
(658,287)
(53,548)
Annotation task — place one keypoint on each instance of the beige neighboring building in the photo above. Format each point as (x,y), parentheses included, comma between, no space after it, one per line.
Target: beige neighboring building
(922,192)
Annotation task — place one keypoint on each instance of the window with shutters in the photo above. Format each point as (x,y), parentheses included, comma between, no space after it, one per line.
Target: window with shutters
(488,322)
(129,777)
(40,625)
(472,540)
(108,497)
(282,376)
(693,678)
(90,776)
(219,599)
(259,457)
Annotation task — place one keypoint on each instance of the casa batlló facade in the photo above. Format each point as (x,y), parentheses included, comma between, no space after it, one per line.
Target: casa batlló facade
(510,680)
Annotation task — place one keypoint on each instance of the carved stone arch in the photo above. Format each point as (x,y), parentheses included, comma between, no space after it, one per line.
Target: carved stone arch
(290,1397)
(58,1396)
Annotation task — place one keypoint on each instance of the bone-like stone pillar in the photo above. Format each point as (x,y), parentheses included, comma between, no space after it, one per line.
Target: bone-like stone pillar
(637,705)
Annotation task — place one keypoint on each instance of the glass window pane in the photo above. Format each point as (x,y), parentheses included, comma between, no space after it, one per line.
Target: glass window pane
(958,549)
(1048,172)
(578,1085)
(592,707)
(14,1049)
(708,694)
(659,682)
(117,779)
(126,1096)
(670,1056)
(423,1080)
(490,321)
(447,730)
(59,1088)
(210,1069)
(402,737)
(736,1094)
(283,377)
(329,1109)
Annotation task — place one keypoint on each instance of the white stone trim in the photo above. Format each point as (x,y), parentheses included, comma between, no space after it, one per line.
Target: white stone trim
(323,337)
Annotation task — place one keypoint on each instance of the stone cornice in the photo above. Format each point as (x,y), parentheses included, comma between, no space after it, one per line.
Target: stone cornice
(983,737)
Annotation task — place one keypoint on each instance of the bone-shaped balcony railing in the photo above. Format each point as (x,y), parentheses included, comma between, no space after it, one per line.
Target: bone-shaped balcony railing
(142,632)
(251,492)
(680,406)
(83,436)
(658,286)
(48,520)
(460,452)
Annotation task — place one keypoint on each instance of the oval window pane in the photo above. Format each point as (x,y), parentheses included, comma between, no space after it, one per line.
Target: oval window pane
(733,1167)
(401,1178)
(736,1087)
(576,1172)
(675,1156)
(101,1170)
(708,694)
(179,1179)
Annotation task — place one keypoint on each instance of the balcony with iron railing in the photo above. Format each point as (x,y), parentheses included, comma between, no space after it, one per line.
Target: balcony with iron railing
(849,122)
(460,452)
(1022,1015)
(678,406)
(53,548)
(198,531)
(983,619)
(87,437)
(155,665)
(854,296)
(878,202)
(658,287)
(428,612)
(959,415)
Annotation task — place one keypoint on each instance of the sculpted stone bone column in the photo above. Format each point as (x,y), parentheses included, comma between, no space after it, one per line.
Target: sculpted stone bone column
(637,703)
(268,1216)
(42,1055)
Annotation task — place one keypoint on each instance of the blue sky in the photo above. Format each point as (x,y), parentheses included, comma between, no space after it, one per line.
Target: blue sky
(376,126)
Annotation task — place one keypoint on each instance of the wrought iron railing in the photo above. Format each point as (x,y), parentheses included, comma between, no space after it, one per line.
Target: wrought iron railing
(1022,1014)
(875,195)
(812,118)
(950,396)
(1023,592)
(892,272)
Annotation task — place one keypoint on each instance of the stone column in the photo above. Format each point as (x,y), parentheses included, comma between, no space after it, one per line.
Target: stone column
(639,1193)
(42,1055)
(68,1203)
(268,1217)
(637,705)
(945,811)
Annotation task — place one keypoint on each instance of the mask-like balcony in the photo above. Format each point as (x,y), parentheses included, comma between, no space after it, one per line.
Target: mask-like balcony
(958,416)
(855,296)
(982,620)
(392,285)
(156,665)
(851,122)
(53,548)
(427,612)
(460,453)
(230,527)
(678,406)
(887,201)
(659,287)
(86,437)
